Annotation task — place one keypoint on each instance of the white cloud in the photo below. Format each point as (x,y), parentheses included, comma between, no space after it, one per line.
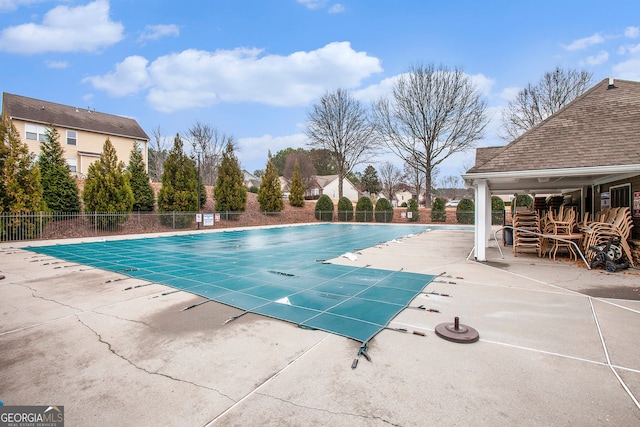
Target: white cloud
(154,32)
(313,4)
(598,59)
(483,83)
(196,78)
(634,50)
(57,64)
(629,50)
(130,76)
(376,91)
(320,4)
(11,5)
(584,43)
(65,29)
(336,8)
(509,93)
(628,70)
(632,32)
(253,151)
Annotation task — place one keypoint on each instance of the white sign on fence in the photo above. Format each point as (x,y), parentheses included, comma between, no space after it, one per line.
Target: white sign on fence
(208,219)
(198,217)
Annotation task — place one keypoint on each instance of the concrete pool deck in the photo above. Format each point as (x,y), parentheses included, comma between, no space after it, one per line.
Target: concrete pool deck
(549,354)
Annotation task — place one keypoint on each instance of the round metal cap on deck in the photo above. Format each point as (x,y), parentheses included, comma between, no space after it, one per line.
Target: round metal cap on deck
(457,332)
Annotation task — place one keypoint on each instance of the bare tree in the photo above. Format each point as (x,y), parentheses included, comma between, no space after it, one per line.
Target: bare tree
(415,177)
(158,152)
(432,114)
(307,170)
(339,124)
(536,102)
(208,143)
(391,179)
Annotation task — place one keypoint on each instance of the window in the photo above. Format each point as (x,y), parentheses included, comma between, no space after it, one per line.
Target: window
(620,196)
(72,137)
(35,132)
(72,164)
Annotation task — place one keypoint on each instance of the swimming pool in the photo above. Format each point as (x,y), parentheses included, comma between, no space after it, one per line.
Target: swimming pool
(280,272)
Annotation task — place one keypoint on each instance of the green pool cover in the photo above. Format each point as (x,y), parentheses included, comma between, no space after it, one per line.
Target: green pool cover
(277,272)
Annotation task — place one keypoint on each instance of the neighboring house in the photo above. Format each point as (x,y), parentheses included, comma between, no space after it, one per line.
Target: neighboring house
(285,187)
(82,131)
(402,197)
(328,184)
(588,152)
(313,190)
(250,180)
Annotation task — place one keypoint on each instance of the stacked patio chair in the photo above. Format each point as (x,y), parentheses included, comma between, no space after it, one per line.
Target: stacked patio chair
(540,205)
(560,225)
(525,224)
(608,223)
(554,203)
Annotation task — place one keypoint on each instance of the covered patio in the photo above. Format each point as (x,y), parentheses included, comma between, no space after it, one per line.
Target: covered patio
(588,152)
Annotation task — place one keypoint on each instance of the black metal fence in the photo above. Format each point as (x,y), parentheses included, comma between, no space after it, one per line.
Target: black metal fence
(49,225)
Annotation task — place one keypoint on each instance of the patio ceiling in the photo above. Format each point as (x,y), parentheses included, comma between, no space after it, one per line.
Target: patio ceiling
(550,180)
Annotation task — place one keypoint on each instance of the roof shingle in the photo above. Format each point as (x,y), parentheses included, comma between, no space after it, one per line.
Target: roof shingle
(44,112)
(599,128)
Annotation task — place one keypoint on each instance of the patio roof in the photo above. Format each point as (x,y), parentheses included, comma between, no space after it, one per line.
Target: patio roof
(594,139)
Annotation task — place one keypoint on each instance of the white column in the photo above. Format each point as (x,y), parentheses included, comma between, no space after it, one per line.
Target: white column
(483,219)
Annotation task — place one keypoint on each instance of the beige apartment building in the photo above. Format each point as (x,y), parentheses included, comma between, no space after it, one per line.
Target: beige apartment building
(82,131)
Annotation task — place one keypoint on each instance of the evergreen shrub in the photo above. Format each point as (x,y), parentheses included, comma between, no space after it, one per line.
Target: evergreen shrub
(324,208)
(20,186)
(438,211)
(107,189)
(412,207)
(364,209)
(230,193)
(143,197)
(384,211)
(179,192)
(296,195)
(345,209)
(465,212)
(60,191)
(270,193)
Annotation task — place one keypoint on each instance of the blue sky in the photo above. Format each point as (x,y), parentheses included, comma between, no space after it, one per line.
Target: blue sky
(253,68)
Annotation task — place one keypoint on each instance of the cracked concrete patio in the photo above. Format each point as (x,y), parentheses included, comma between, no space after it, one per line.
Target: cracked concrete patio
(549,353)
